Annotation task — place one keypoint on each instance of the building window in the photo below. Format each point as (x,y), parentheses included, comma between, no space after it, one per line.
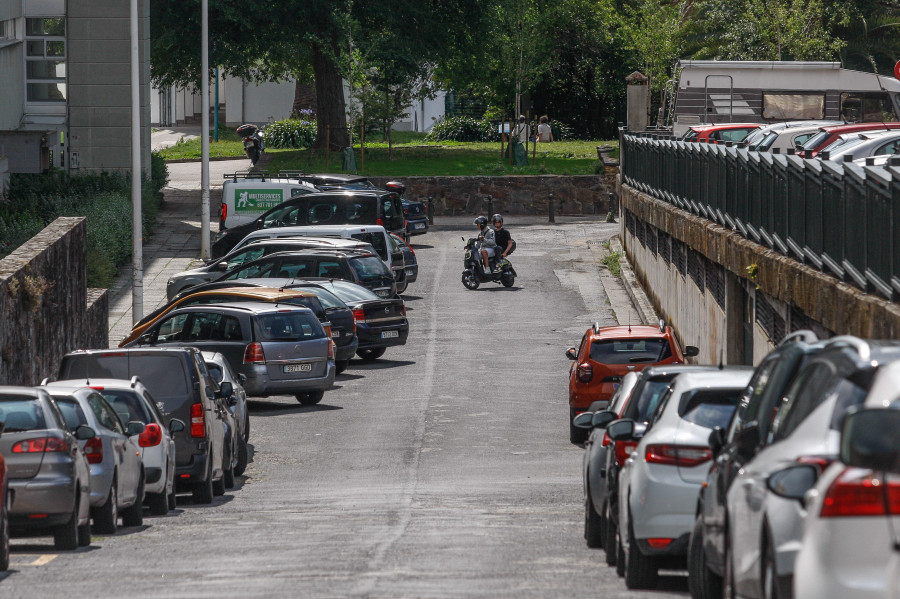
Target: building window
(45,60)
(7,30)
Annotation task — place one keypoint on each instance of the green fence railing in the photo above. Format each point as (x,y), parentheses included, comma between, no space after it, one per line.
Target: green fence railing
(840,218)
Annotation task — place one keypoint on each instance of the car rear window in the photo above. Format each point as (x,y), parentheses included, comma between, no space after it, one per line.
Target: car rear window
(127,405)
(308,302)
(709,408)
(641,407)
(369,267)
(352,291)
(21,413)
(813,142)
(161,372)
(376,240)
(326,298)
(630,351)
(288,326)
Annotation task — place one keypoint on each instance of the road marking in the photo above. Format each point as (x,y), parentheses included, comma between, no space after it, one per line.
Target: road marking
(41,560)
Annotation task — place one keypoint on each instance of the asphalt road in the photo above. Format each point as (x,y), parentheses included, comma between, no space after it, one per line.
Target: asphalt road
(442,470)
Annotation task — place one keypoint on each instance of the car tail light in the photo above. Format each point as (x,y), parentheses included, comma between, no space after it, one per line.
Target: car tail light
(624,450)
(657,543)
(42,445)
(585,373)
(359,315)
(198,420)
(224,213)
(254,354)
(683,456)
(330,349)
(379,221)
(152,435)
(405,210)
(404,309)
(96,388)
(859,493)
(327,328)
(93,450)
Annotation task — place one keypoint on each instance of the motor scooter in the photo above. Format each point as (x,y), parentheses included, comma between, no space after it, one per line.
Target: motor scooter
(474,273)
(253,142)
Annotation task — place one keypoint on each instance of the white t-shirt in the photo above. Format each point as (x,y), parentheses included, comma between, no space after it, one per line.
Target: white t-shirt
(520,131)
(543,132)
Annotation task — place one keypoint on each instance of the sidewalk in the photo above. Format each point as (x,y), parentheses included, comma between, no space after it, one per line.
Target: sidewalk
(169,136)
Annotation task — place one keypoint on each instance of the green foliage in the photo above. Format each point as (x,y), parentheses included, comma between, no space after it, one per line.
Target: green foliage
(462,128)
(612,262)
(563,132)
(290,133)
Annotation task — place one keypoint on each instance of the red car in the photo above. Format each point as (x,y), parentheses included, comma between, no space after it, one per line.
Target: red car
(606,354)
(828,135)
(719,133)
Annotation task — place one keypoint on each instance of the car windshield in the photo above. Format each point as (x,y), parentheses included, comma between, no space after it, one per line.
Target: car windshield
(641,406)
(288,326)
(767,142)
(215,371)
(757,135)
(369,267)
(127,405)
(630,351)
(842,145)
(71,411)
(21,413)
(689,135)
(709,408)
(376,240)
(813,142)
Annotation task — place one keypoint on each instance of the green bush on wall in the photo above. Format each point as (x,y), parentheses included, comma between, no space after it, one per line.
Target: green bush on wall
(463,128)
(290,133)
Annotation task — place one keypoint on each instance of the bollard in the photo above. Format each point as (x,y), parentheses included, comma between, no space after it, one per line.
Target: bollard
(490,203)
(430,210)
(550,208)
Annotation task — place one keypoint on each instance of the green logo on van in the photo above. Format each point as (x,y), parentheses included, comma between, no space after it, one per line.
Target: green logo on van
(256,200)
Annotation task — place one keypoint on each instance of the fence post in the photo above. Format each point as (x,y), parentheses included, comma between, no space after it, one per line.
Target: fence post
(490,206)
(550,208)
(430,210)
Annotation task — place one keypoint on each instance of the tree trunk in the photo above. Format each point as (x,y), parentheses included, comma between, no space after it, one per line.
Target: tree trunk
(304,97)
(330,99)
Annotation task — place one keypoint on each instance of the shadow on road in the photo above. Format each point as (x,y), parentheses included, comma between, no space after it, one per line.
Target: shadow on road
(421,246)
(407,298)
(271,408)
(381,364)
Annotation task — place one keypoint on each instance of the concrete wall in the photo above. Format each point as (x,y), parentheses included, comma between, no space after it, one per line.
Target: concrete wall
(99,76)
(46,309)
(729,295)
(12,91)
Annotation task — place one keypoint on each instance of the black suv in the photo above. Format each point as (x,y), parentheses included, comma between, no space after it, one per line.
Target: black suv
(182,385)
(360,267)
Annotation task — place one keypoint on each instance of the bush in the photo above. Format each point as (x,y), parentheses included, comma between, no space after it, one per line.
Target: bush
(462,128)
(562,131)
(290,133)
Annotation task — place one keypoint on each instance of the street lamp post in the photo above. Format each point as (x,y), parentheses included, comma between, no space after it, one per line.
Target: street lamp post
(204,130)
(137,245)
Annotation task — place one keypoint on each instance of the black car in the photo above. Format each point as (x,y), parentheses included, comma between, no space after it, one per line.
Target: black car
(363,268)
(416,217)
(337,207)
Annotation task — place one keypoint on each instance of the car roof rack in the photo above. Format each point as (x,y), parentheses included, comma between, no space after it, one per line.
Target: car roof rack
(596,328)
(804,335)
(662,325)
(261,175)
(862,348)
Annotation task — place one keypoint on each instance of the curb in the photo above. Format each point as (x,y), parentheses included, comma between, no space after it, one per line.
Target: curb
(211,159)
(639,299)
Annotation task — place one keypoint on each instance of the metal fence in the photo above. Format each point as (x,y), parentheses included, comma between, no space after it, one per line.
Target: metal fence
(840,218)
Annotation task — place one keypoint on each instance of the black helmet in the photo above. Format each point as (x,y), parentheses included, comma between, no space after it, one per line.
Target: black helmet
(481,221)
(497,218)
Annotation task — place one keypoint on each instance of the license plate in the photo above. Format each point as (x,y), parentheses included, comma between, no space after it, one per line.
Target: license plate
(410,271)
(419,226)
(298,368)
(389,334)
(335,334)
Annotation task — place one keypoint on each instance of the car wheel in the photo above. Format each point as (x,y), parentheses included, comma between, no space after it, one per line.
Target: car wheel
(228,472)
(609,542)
(158,503)
(620,557)
(576,435)
(401,287)
(242,457)
(106,517)
(133,515)
(310,398)
(641,571)
(65,537)
(370,353)
(702,582)
(4,534)
(340,366)
(84,534)
(247,425)
(173,502)
(469,280)
(203,491)
(593,525)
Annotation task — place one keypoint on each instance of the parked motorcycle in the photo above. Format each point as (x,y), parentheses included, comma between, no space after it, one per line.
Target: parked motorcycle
(253,142)
(474,273)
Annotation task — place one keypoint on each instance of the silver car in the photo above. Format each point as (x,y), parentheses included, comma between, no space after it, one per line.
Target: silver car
(47,473)
(117,472)
(221,372)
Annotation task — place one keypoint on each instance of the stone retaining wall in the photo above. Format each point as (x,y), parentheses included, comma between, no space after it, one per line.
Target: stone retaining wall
(45,307)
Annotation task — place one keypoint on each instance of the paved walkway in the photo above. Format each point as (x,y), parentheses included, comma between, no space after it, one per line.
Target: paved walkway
(169,136)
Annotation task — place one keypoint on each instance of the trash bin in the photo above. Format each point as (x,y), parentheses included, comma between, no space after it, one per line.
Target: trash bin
(349,162)
(520,157)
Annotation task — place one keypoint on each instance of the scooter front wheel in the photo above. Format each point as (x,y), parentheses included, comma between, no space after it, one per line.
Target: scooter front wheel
(508,279)
(469,280)
(253,155)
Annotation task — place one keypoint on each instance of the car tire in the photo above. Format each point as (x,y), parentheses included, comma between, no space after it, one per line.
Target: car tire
(158,503)
(218,486)
(202,492)
(576,435)
(172,500)
(702,582)
(242,457)
(370,354)
(340,366)
(228,472)
(106,517)
(620,557)
(84,534)
(593,525)
(310,398)
(4,534)
(728,578)
(609,542)
(247,425)
(401,287)
(769,580)
(641,571)
(65,537)
(133,515)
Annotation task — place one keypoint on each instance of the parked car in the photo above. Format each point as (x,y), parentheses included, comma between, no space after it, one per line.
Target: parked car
(828,135)
(848,547)
(179,381)
(745,436)
(416,215)
(787,139)
(363,268)
(47,472)
(756,136)
(352,207)
(606,354)
(764,501)
(244,198)
(279,349)
(221,371)
(4,513)
(719,133)
(117,472)
(881,143)
(410,263)
(660,481)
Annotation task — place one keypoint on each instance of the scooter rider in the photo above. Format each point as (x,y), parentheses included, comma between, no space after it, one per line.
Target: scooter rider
(501,236)
(486,244)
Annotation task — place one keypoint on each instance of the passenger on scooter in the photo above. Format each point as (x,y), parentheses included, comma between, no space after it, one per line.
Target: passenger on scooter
(502,238)
(486,245)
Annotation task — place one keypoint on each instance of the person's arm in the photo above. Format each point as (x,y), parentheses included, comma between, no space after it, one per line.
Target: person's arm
(508,247)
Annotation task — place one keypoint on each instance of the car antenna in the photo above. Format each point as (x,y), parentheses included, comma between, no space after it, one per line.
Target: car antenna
(629,322)
(721,364)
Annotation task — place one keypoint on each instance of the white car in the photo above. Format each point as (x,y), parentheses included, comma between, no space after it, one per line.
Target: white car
(847,548)
(660,482)
(866,144)
(133,402)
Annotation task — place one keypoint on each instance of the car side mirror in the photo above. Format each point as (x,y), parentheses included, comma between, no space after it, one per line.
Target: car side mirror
(598,406)
(176,425)
(691,351)
(746,439)
(134,427)
(717,440)
(146,338)
(572,353)
(870,438)
(84,432)
(225,389)
(242,377)
(2,427)
(793,482)
(621,430)
(583,420)
(602,419)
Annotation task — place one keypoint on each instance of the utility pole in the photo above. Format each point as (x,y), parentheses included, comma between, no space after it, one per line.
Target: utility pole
(137,243)
(204,130)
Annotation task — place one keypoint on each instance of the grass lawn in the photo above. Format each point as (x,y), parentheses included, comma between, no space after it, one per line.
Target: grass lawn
(412,156)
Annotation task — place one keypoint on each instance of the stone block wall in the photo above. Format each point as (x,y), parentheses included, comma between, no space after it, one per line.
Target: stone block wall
(519,194)
(46,308)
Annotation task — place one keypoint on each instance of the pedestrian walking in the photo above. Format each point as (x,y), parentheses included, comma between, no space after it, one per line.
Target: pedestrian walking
(544,134)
